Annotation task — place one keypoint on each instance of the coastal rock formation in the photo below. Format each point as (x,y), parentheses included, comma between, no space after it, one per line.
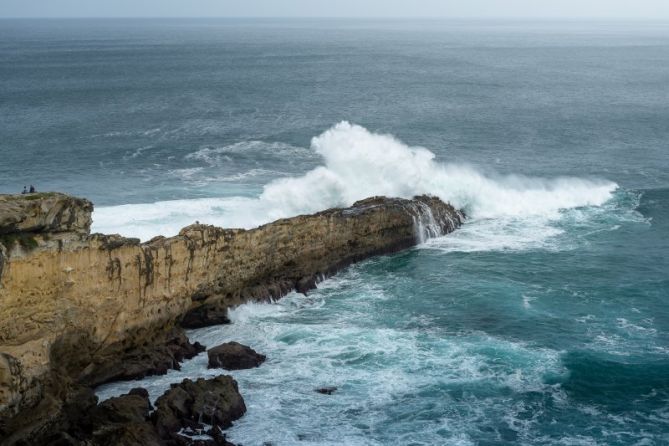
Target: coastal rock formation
(127,419)
(123,420)
(234,356)
(192,404)
(74,306)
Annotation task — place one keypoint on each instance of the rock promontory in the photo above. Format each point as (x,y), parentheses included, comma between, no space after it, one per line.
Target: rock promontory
(80,309)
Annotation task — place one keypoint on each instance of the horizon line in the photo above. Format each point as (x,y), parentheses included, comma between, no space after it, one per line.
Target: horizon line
(433,18)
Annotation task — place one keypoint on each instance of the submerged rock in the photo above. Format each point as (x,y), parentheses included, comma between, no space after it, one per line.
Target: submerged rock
(327,390)
(234,356)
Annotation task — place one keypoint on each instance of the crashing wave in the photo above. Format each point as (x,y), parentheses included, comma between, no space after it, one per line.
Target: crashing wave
(358,164)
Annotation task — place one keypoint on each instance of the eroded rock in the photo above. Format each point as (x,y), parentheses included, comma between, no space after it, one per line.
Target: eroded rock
(48,212)
(134,406)
(215,401)
(60,416)
(124,420)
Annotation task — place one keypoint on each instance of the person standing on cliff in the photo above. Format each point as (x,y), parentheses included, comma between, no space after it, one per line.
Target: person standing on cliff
(25,191)
(32,189)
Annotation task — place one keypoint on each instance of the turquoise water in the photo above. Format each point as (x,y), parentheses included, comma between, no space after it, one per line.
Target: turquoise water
(562,343)
(544,320)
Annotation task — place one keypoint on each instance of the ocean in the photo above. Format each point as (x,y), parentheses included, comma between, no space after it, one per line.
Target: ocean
(544,320)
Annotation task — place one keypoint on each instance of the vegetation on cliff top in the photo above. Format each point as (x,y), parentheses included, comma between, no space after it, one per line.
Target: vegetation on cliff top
(26,240)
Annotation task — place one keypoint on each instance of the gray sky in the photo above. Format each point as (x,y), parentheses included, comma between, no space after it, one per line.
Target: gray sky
(658,9)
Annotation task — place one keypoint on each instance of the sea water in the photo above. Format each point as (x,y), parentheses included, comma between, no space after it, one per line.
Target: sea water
(543,320)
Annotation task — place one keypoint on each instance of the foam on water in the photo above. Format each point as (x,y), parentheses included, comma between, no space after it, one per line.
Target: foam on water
(358,164)
(498,235)
(407,370)
(168,217)
(383,375)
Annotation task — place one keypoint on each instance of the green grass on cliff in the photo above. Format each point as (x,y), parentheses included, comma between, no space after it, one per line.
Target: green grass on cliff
(26,241)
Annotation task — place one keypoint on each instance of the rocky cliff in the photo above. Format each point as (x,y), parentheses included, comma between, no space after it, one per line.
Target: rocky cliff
(78,309)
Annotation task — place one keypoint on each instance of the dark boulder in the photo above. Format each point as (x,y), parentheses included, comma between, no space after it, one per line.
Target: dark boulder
(234,356)
(140,391)
(124,420)
(215,401)
(122,409)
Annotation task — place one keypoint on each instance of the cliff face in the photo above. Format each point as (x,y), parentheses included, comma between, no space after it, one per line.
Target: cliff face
(71,303)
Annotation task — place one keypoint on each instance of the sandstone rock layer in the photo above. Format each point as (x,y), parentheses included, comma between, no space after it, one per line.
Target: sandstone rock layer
(73,304)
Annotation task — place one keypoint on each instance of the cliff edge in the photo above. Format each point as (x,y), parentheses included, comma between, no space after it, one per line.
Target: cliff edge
(78,309)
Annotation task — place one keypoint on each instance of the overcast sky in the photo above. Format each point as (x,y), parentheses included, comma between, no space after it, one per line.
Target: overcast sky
(658,9)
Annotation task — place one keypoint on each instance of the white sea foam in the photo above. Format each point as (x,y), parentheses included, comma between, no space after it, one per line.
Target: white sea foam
(375,368)
(168,217)
(499,234)
(358,164)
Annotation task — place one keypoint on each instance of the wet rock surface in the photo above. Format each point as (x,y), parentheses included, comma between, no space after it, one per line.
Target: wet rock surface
(192,404)
(127,419)
(234,356)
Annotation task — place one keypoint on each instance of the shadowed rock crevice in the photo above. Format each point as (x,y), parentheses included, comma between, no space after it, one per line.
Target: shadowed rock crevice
(155,356)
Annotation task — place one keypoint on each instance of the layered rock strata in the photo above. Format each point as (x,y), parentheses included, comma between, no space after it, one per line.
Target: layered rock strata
(73,306)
